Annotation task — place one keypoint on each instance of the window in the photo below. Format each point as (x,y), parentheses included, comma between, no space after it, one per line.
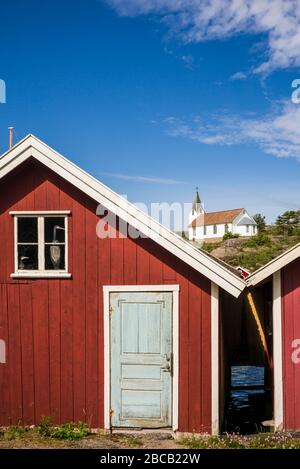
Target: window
(247,228)
(194,231)
(215,229)
(204,230)
(41,244)
(226,228)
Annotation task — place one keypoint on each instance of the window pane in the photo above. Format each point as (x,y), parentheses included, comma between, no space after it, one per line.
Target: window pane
(27,230)
(54,257)
(54,229)
(27,257)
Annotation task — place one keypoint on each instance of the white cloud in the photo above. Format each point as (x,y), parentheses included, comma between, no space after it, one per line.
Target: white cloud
(144,179)
(202,20)
(238,76)
(277,133)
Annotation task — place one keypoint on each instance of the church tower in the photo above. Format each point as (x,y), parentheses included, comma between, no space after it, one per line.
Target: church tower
(197,208)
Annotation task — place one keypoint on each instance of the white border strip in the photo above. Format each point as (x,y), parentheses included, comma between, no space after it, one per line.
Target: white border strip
(277,351)
(214,359)
(107,289)
(29,213)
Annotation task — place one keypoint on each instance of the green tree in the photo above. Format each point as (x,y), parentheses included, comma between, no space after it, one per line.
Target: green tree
(260,221)
(288,222)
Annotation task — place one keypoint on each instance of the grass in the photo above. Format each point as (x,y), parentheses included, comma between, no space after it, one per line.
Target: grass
(259,441)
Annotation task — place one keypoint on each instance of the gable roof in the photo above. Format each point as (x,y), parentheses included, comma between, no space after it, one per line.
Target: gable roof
(32,147)
(215,218)
(273,266)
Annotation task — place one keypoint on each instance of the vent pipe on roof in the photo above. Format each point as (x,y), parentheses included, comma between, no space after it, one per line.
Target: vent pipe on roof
(10,137)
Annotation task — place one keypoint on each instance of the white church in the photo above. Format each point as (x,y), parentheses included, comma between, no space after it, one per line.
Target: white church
(211,226)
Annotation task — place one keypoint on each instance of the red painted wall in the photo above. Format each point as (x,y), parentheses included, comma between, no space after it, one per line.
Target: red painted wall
(291,331)
(54,328)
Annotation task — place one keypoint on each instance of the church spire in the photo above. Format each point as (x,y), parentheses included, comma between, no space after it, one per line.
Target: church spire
(197,202)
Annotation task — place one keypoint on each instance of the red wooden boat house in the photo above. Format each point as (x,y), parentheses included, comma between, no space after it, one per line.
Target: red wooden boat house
(106,316)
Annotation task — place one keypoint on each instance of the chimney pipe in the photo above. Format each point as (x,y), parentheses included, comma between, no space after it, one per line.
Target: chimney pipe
(10,137)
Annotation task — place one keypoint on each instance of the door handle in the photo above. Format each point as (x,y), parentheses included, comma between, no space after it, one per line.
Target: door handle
(169,363)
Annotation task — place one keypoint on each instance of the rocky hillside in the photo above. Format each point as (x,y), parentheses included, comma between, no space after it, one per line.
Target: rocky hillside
(254,252)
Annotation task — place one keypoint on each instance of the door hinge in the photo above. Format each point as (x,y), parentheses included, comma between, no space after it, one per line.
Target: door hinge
(110,310)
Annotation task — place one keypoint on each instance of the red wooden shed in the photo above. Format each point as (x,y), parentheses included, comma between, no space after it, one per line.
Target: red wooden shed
(283,274)
(119,330)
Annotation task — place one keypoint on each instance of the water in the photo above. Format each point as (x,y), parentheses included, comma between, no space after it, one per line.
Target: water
(245,376)
(245,410)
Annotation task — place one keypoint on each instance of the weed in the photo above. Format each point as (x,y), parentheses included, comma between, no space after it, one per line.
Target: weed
(65,431)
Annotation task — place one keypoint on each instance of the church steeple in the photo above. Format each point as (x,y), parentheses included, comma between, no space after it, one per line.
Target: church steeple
(197,207)
(197,204)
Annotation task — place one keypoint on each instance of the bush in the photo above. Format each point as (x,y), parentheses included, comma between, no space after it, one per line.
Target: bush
(65,431)
(259,240)
(208,247)
(230,235)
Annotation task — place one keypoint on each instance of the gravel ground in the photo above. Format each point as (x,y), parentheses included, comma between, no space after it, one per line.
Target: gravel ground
(102,441)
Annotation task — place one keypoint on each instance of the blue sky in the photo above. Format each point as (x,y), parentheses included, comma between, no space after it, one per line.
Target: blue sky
(155,98)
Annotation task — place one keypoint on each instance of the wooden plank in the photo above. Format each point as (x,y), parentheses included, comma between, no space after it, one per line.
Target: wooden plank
(104,278)
(27,354)
(5,403)
(41,348)
(288,337)
(156,267)
(143,262)
(296,303)
(184,382)
(195,398)
(117,261)
(66,318)
(80,283)
(205,330)
(14,355)
(53,203)
(130,261)
(55,349)
(92,316)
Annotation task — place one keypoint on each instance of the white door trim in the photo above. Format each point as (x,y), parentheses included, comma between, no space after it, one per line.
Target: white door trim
(277,351)
(214,359)
(107,289)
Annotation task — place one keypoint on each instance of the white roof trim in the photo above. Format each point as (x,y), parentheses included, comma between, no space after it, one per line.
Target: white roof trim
(273,266)
(31,146)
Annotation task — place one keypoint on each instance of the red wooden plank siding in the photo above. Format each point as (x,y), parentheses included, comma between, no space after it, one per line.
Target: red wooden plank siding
(80,283)
(5,404)
(55,329)
(26,322)
(41,348)
(66,320)
(291,331)
(53,203)
(92,317)
(14,354)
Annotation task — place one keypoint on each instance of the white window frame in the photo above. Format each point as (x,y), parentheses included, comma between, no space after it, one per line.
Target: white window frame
(41,272)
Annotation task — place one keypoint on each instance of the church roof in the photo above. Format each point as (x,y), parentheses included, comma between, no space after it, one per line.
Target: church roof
(214,218)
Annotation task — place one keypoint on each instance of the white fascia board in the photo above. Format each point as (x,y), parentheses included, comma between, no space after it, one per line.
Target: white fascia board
(128,212)
(274,265)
